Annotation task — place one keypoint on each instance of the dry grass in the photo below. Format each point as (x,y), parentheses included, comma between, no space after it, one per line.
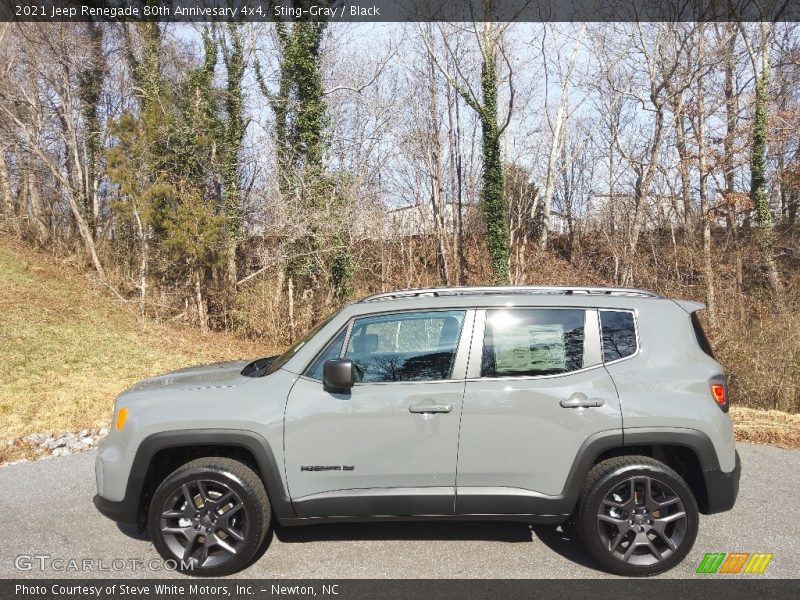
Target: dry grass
(766,427)
(69,347)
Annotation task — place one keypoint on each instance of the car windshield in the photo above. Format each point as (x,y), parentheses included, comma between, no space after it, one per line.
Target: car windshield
(286,356)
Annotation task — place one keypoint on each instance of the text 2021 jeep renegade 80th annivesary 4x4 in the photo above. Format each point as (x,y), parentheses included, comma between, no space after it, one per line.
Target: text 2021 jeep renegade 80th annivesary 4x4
(533,404)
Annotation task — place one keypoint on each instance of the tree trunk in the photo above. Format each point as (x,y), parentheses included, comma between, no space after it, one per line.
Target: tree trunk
(704,214)
(435,160)
(557,131)
(90,89)
(758,181)
(144,248)
(6,194)
(199,299)
(683,169)
(235,62)
(641,190)
(494,204)
(290,294)
(454,156)
(463,268)
(37,214)
(729,149)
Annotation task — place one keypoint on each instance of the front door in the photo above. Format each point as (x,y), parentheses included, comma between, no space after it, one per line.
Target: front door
(389,446)
(536,390)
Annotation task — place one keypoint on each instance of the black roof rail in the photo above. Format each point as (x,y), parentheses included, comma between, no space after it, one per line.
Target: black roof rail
(510,290)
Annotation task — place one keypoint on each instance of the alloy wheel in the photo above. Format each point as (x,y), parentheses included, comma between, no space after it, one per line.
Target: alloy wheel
(642,521)
(204,523)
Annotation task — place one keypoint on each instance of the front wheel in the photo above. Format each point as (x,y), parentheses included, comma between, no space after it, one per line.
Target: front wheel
(637,517)
(209,517)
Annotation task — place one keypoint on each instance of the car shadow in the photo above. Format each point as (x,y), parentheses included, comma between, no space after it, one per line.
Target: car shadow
(561,539)
(133,533)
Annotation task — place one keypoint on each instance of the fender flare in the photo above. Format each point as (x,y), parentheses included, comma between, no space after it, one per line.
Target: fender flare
(129,508)
(719,488)
(695,440)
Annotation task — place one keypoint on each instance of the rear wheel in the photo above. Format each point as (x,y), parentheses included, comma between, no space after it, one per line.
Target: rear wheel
(637,517)
(210,516)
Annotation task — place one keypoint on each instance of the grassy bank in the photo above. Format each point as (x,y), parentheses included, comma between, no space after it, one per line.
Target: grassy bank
(69,347)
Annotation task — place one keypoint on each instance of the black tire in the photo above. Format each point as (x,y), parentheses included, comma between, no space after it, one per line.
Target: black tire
(639,508)
(216,504)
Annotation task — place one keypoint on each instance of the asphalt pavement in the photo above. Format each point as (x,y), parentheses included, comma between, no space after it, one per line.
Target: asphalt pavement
(47,511)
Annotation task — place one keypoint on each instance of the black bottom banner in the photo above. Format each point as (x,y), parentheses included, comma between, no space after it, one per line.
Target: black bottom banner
(378,589)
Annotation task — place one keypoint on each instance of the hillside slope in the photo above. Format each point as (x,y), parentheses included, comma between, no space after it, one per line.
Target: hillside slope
(69,347)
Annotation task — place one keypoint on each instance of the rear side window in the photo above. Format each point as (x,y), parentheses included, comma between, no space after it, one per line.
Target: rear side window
(532,342)
(702,338)
(619,334)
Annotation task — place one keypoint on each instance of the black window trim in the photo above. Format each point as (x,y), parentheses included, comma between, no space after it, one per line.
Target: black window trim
(701,336)
(636,331)
(324,350)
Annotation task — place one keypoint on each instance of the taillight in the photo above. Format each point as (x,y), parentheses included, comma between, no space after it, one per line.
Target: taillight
(719,392)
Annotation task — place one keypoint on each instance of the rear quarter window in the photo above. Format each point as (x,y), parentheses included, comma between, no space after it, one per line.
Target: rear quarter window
(619,334)
(700,334)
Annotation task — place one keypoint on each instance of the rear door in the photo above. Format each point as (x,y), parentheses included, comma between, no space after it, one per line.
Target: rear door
(536,390)
(389,446)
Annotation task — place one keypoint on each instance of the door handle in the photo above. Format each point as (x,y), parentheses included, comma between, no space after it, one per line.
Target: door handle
(430,408)
(580,400)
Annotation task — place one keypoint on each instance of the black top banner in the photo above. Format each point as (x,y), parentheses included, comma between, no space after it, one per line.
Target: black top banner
(354,11)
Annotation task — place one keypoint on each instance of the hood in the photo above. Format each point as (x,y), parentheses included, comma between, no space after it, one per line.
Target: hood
(216,375)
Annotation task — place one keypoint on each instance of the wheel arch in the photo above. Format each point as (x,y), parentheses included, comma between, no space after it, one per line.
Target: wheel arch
(161,453)
(687,451)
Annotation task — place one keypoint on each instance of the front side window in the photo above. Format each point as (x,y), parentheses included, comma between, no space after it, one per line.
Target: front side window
(532,342)
(333,350)
(417,346)
(619,334)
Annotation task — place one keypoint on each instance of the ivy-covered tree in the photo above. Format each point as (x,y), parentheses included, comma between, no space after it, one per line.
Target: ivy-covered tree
(758,160)
(301,121)
(493,201)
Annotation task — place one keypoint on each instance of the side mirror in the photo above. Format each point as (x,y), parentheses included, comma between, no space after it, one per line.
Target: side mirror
(337,375)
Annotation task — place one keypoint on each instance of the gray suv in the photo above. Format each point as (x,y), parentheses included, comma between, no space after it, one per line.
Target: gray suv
(601,407)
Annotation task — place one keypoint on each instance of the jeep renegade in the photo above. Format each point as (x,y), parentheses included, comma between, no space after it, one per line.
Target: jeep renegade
(602,407)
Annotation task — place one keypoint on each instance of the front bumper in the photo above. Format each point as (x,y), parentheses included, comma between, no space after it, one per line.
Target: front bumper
(722,488)
(124,512)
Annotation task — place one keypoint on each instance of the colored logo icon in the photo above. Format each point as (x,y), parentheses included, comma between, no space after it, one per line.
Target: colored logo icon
(734,562)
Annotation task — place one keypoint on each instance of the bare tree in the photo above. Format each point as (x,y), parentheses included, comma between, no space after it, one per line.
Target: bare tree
(556,125)
(48,118)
